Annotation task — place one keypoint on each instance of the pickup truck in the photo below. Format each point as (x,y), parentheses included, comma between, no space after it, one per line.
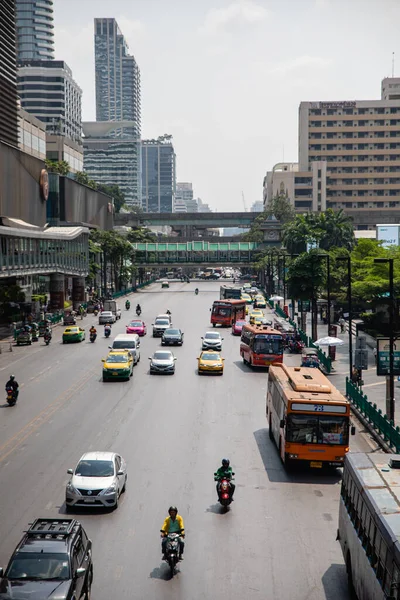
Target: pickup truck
(113,307)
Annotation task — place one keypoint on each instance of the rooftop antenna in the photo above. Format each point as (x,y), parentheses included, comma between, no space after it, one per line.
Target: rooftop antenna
(392,64)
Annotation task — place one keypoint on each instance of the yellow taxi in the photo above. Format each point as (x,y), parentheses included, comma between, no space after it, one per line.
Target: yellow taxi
(256,314)
(118,365)
(247,298)
(210,361)
(73,334)
(260,302)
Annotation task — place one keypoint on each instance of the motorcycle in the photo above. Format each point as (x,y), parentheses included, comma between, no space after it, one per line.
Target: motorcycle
(96,312)
(127,305)
(11,396)
(47,338)
(196,291)
(107,331)
(172,551)
(138,312)
(224,492)
(93,337)
(296,347)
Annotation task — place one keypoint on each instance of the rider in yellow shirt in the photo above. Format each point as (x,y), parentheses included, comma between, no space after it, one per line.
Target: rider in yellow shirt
(173,524)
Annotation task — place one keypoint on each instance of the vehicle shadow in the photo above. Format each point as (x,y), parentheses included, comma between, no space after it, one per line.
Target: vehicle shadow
(276,470)
(81,510)
(163,573)
(335,585)
(247,369)
(6,405)
(217,509)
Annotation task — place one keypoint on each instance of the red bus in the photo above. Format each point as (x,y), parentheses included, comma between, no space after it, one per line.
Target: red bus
(260,346)
(227,312)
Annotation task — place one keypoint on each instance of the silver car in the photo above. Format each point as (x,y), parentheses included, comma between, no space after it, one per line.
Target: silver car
(106,316)
(212,341)
(98,480)
(162,361)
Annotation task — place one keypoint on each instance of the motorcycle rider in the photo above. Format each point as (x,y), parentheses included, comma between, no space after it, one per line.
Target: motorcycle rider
(225,472)
(138,309)
(127,305)
(93,330)
(168,312)
(14,385)
(47,333)
(173,524)
(107,329)
(196,291)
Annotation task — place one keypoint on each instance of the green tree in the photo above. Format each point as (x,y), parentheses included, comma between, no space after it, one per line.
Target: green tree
(280,208)
(328,230)
(306,279)
(141,234)
(116,194)
(117,252)
(57,166)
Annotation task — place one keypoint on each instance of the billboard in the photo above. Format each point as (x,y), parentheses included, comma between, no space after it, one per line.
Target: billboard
(383,359)
(388,235)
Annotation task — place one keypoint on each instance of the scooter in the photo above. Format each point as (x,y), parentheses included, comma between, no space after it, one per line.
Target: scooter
(47,338)
(107,331)
(172,551)
(296,347)
(93,336)
(11,396)
(138,312)
(224,492)
(127,305)
(196,291)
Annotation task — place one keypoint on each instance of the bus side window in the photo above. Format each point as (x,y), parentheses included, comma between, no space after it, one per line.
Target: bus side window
(395,586)
(371,541)
(380,572)
(388,576)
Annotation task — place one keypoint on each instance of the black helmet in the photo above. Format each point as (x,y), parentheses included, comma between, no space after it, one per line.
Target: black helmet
(172,508)
(225,462)
(12,377)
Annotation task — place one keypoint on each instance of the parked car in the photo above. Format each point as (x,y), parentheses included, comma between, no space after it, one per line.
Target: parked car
(172,337)
(106,316)
(98,480)
(162,361)
(46,563)
(24,337)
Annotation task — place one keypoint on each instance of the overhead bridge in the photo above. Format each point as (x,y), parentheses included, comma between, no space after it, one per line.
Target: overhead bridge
(195,253)
(200,220)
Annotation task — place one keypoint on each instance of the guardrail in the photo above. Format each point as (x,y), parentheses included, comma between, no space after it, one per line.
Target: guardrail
(133,289)
(377,420)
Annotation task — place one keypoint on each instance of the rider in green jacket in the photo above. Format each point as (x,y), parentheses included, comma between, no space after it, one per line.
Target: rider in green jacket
(225,472)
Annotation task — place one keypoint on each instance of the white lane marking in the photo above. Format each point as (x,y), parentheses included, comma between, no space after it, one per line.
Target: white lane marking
(118,571)
(48,505)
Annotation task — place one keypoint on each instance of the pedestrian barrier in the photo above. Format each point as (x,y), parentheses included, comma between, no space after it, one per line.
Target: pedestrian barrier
(379,422)
(133,289)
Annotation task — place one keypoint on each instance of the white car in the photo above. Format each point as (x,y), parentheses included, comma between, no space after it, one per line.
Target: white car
(212,341)
(98,480)
(106,317)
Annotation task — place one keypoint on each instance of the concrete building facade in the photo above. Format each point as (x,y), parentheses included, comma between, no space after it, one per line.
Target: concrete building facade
(158,176)
(35,30)
(31,135)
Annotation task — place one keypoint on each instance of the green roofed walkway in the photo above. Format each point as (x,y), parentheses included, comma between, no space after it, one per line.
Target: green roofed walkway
(194,253)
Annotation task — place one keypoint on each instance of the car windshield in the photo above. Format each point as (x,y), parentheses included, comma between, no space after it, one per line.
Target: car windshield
(210,356)
(122,344)
(212,336)
(172,332)
(35,565)
(72,330)
(162,322)
(162,356)
(117,358)
(95,468)
(136,324)
(321,429)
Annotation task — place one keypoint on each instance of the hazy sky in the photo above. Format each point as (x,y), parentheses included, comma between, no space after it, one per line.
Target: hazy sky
(225,77)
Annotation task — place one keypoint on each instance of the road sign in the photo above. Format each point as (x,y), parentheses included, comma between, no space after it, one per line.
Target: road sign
(382,363)
(304,305)
(361,343)
(361,359)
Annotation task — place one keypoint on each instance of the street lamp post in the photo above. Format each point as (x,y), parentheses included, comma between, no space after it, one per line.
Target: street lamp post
(347,259)
(391,334)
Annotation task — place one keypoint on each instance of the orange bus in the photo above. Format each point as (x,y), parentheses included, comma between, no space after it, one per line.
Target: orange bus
(227,312)
(308,418)
(260,345)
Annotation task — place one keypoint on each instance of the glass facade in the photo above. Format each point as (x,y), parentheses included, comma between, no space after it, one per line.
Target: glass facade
(35,30)
(8,75)
(158,177)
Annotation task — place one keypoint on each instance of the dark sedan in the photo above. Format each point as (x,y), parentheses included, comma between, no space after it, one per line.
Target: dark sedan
(172,337)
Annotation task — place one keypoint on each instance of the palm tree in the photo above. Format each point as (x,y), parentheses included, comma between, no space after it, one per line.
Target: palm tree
(337,230)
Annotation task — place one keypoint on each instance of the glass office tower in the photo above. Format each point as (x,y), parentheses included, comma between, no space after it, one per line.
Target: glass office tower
(35,30)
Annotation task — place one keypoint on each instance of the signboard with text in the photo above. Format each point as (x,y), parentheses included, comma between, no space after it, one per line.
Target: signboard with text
(388,235)
(382,357)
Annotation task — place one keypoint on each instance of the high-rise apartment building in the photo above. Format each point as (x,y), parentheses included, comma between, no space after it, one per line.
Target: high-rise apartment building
(48,91)
(35,30)
(184,196)
(8,74)
(118,100)
(257,206)
(360,143)
(158,175)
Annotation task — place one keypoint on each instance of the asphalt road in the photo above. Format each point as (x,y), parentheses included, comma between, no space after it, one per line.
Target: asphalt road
(278,539)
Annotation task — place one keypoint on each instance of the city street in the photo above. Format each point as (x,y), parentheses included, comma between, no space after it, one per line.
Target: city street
(277,541)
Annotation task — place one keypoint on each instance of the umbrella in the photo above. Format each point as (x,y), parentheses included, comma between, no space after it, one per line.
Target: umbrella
(276,298)
(322,301)
(329,341)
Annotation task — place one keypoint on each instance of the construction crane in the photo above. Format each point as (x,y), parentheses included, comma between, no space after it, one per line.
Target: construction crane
(244,202)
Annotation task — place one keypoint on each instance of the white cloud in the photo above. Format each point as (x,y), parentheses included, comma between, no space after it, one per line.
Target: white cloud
(301,62)
(240,11)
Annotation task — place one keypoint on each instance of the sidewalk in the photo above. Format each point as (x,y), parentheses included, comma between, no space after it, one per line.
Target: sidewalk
(374,387)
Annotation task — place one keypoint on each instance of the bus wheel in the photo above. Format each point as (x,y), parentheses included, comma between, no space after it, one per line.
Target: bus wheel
(271,437)
(213,324)
(350,583)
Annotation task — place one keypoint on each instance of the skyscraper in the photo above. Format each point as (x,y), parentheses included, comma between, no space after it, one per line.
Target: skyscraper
(117,101)
(8,74)
(158,175)
(117,77)
(35,35)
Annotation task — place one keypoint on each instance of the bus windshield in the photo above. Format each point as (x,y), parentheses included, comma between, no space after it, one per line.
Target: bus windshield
(271,344)
(321,429)
(223,311)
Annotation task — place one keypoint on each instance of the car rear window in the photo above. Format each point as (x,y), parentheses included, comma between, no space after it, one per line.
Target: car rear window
(172,332)
(121,344)
(162,322)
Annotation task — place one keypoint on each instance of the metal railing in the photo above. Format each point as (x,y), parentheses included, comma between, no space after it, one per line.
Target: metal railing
(385,428)
(133,288)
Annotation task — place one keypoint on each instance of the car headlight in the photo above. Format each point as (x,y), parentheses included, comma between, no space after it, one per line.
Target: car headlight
(72,489)
(110,490)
